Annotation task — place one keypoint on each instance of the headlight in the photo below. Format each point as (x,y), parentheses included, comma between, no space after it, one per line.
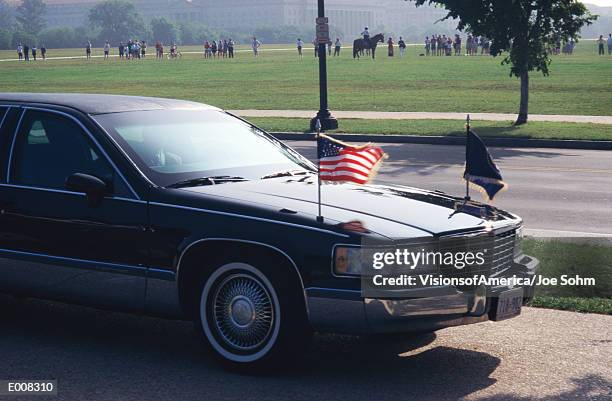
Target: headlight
(347,261)
(518,242)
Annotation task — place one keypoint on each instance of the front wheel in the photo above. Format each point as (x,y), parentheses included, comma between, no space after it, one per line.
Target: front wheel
(248,321)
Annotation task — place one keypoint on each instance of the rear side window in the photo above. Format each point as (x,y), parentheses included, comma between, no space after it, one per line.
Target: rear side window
(2,114)
(4,141)
(49,148)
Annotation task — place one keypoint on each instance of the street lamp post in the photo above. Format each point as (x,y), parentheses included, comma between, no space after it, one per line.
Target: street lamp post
(328,122)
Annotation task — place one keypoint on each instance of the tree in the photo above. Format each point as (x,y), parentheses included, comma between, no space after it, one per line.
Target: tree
(163,30)
(23,37)
(6,37)
(6,16)
(60,37)
(30,16)
(284,34)
(524,29)
(117,20)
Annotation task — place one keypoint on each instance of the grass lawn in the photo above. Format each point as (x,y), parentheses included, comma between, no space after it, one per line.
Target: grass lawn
(540,130)
(579,84)
(586,260)
(586,305)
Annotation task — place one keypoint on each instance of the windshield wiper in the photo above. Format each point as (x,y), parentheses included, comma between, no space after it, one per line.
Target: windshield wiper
(214,180)
(289,173)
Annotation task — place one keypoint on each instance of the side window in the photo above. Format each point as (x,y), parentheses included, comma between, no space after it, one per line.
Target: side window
(5,139)
(49,148)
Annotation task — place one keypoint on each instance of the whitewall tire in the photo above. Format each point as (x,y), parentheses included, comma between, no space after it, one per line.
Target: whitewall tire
(240,314)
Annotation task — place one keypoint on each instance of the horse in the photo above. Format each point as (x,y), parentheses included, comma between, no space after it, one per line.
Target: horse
(359,45)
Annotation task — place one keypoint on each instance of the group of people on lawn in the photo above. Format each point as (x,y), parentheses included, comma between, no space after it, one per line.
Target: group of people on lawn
(337,46)
(436,45)
(23,52)
(600,44)
(222,48)
(442,45)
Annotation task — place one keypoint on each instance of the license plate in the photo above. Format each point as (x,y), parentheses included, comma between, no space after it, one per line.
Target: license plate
(509,304)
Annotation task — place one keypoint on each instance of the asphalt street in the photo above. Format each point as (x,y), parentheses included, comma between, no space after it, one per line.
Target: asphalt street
(542,355)
(555,191)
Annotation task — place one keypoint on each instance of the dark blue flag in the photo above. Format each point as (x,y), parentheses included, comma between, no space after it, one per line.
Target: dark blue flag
(480,169)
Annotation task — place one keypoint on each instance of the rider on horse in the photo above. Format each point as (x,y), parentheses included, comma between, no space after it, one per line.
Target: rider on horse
(366,38)
(366,33)
(367,44)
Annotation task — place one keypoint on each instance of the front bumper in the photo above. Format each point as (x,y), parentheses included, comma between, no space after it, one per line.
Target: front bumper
(429,309)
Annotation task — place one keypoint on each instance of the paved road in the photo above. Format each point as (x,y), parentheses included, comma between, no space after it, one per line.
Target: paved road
(149,56)
(542,355)
(97,52)
(418,115)
(552,189)
(100,55)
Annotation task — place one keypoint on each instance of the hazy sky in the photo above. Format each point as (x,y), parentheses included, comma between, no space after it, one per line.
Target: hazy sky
(605,3)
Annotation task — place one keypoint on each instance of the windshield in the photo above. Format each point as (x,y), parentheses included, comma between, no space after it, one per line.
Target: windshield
(171,146)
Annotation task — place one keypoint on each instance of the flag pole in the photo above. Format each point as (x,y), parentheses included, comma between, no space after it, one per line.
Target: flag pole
(318,128)
(467,138)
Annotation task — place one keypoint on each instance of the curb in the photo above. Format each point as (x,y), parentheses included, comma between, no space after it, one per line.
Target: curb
(454,140)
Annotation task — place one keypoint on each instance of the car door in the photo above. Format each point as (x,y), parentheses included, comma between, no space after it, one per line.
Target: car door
(54,242)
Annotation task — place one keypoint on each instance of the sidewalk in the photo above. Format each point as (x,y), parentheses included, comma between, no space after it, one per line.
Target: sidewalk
(97,53)
(409,115)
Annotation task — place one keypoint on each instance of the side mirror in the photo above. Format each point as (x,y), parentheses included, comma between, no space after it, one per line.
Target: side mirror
(93,187)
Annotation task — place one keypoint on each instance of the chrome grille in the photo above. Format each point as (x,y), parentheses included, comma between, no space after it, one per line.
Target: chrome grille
(498,249)
(468,243)
(503,251)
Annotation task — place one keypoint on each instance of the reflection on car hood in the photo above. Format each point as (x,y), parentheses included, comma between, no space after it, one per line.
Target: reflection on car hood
(392,211)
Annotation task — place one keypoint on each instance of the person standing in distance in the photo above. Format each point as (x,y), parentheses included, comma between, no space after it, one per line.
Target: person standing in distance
(390,44)
(300,45)
(106,49)
(402,46)
(255,45)
(230,47)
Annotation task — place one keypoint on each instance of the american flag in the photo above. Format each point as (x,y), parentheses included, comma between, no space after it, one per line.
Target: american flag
(341,162)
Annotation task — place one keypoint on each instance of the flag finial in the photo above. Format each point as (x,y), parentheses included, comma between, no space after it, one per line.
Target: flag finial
(318,126)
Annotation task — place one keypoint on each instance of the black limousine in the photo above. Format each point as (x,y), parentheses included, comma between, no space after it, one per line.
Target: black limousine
(179,209)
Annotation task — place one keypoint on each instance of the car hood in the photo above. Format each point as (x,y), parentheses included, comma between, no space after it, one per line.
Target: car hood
(391,211)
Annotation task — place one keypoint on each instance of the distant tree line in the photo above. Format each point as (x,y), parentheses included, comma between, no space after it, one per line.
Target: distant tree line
(118,20)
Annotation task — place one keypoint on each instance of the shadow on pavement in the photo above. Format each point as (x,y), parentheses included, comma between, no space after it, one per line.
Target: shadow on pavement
(100,355)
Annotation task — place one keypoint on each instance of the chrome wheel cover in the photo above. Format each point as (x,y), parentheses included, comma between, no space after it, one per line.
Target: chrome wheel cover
(242,312)
(230,349)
